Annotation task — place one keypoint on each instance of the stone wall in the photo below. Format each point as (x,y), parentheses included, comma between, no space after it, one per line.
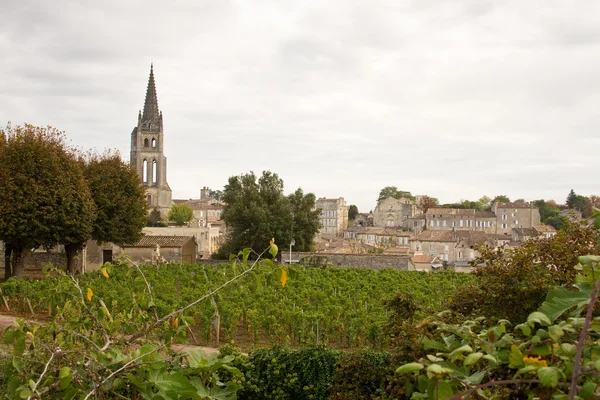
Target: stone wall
(371,261)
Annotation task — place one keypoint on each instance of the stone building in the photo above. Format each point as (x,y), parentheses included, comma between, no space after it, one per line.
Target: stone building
(147,151)
(334,215)
(515,215)
(391,212)
(172,249)
(460,219)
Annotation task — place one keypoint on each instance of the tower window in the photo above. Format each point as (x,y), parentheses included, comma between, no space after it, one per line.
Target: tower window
(154,172)
(145,171)
(149,198)
(153,142)
(145,142)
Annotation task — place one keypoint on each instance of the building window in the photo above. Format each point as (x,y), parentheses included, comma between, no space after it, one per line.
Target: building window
(154,172)
(459,254)
(454,224)
(461,223)
(153,142)
(444,223)
(504,216)
(504,226)
(432,247)
(145,142)
(145,171)
(149,198)
(446,248)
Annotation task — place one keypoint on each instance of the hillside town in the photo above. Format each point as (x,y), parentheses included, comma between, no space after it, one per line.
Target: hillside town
(401,231)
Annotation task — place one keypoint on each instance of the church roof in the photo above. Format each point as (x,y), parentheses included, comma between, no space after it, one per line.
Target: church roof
(151,111)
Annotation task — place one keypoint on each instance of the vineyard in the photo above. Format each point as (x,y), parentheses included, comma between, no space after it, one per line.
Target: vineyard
(339,307)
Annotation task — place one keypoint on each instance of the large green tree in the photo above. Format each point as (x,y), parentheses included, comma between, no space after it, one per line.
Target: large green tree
(392,191)
(256,210)
(352,212)
(120,200)
(44,198)
(181,214)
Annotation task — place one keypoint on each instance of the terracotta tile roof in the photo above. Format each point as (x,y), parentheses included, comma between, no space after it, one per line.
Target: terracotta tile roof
(436,236)
(523,231)
(162,241)
(450,211)
(474,238)
(421,259)
(544,228)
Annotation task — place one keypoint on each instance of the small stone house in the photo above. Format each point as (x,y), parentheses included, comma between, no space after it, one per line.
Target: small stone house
(421,262)
(173,249)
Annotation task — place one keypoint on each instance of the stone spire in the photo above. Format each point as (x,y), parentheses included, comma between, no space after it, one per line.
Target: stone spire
(151,112)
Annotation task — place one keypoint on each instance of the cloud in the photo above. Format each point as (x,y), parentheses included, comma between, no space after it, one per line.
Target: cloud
(451,99)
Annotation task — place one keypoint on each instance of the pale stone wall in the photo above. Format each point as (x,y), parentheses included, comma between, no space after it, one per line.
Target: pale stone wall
(391,212)
(334,215)
(207,238)
(515,215)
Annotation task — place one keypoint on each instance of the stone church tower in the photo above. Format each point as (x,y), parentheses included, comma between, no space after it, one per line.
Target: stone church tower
(147,141)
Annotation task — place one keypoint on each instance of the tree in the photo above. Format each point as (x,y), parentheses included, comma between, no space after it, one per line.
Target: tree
(501,198)
(484,203)
(520,201)
(352,212)
(155,219)
(256,211)
(571,199)
(429,202)
(306,220)
(44,199)
(215,194)
(181,214)
(120,200)
(392,191)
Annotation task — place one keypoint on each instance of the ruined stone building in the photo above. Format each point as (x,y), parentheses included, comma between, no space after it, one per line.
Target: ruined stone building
(147,151)
(391,212)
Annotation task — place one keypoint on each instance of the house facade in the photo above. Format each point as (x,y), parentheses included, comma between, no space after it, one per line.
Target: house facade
(334,215)
(515,215)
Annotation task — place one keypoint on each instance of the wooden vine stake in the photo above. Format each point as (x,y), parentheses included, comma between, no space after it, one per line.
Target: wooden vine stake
(29,304)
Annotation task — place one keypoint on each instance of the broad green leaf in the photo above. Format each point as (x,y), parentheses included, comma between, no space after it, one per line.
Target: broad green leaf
(273,249)
(476,378)
(472,358)
(587,390)
(515,359)
(548,376)
(525,328)
(559,300)
(410,367)
(463,349)
(433,358)
(525,370)
(439,390)
(539,318)
(555,332)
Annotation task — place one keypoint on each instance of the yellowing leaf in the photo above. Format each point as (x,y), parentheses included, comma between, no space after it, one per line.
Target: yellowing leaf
(272,241)
(105,274)
(175,322)
(89,294)
(283,278)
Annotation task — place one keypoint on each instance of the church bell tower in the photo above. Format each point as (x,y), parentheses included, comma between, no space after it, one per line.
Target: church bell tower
(147,151)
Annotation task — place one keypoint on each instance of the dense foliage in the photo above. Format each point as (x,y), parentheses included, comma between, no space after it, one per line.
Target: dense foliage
(181,214)
(515,281)
(342,307)
(44,198)
(257,210)
(119,197)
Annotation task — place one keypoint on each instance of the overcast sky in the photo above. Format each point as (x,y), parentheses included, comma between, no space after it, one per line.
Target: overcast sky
(454,99)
